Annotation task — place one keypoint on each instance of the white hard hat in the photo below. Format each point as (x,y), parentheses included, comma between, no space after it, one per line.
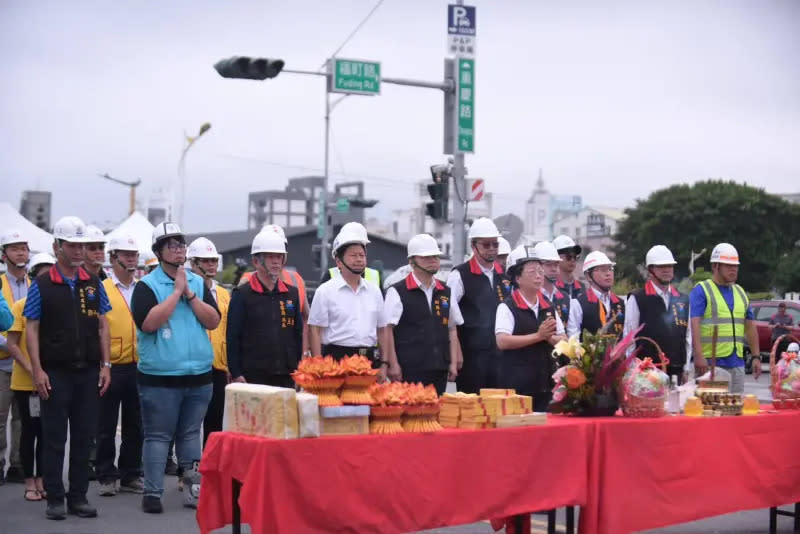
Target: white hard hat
(166,229)
(275,228)
(350,233)
(202,248)
(520,256)
(70,229)
(564,243)
(504,248)
(546,251)
(482,227)
(659,255)
(725,253)
(123,241)
(268,242)
(147,258)
(423,245)
(596,259)
(793,347)
(11,237)
(94,234)
(41,258)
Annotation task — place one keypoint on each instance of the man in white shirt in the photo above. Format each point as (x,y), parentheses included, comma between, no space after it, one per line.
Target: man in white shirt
(551,260)
(346,314)
(664,312)
(526,328)
(597,309)
(421,338)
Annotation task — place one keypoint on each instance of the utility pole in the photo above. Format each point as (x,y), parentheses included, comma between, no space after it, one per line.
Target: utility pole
(190,140)
(132,185)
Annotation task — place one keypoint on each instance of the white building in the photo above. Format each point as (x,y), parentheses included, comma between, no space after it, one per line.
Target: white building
(543,208)
(592,227)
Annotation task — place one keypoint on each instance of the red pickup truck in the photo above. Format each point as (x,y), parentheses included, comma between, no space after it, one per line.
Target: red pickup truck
(763,310)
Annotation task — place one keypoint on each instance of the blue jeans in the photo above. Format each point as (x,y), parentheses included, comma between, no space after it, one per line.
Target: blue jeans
(168,413)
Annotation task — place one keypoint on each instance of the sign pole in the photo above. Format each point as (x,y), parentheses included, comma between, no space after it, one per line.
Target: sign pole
(326,228)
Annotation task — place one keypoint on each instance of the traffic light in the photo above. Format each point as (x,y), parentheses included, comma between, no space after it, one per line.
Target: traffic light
(249,68)
(437,209)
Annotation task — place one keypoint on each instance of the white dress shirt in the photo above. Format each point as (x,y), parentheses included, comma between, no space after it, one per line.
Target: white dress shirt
(504,320)
(393,306)
(456,285)
(575,320)
(127,291)
(18,286)
(348,318)
(632,317)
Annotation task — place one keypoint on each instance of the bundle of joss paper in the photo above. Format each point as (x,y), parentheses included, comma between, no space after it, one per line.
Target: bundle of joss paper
(493,407)
(403,407)
(270,412)
(324,377)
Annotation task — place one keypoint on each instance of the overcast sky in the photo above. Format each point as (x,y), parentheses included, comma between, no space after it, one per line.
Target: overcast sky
(611,99)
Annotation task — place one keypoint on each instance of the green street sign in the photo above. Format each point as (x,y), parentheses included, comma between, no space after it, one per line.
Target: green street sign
(353,76)
(465,117)
(342,205)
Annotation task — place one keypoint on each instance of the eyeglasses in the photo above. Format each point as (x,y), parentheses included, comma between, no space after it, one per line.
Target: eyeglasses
(175,246)
(605,269)
(489,244)
(95,247)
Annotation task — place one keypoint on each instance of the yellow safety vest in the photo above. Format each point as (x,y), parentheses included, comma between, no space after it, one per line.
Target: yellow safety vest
(9,296)
(217,336)
(370,275)
(730,324)
(122,329)
(21,380)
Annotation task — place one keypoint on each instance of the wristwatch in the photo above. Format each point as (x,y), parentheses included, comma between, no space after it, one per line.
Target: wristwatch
(306,353)
(107,364)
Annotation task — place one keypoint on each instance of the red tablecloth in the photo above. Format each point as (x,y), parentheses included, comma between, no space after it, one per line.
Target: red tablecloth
(649,473)
(398,483)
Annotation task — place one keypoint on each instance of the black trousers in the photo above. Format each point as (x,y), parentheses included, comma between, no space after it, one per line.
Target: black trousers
(73,400)
(338,352)
(30,440)
(478,370)
(122,393)
(268,379)
(213,420)
(437,378)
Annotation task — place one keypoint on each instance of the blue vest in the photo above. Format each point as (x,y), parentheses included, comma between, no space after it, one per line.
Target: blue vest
(181,346)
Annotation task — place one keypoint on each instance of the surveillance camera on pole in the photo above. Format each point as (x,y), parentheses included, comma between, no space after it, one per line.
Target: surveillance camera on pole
(249,68)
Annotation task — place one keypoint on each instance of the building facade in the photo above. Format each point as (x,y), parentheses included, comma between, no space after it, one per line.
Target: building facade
(36,207)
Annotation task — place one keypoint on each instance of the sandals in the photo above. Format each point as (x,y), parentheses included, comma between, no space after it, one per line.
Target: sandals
(35,493)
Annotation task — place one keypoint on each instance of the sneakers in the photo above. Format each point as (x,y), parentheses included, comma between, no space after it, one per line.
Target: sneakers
(134,485)
(83,509)
(152,505)
(172,468)
(107,489)
(55,511)
(191,485)
(15,475)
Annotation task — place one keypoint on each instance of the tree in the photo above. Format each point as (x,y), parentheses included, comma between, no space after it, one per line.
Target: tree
(787,272)
(687,218)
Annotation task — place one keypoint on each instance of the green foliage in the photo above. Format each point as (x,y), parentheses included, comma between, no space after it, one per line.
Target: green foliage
(624,286)
(787,272)
(227,274)
(689,218)
(700,275)
(760,295)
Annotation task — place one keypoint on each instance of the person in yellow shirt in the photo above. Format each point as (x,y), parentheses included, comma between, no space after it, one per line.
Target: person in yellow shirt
(124,256)
(202,254)
(25,395)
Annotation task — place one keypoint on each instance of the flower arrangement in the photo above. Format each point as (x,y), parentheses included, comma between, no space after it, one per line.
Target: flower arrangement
(590,383)
(787,376)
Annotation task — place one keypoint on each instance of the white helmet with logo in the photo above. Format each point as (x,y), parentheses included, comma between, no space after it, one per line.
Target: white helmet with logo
(165,230)
(12,237)
(148,259)
(483,228)
(202,248)
(41,258)
(94,234)
(546,251)
(659,255)
(565,244)
(70,229)
(725,253)
(123,241)
(596,259)
(505,247)
(351,233)
(423,245)
(270,242)
(276,229)
(519,257)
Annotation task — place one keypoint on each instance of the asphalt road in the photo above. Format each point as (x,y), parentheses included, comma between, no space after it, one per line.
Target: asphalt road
(121,514)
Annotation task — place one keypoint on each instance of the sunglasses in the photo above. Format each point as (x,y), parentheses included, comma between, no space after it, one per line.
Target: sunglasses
(489,244)
(95,247)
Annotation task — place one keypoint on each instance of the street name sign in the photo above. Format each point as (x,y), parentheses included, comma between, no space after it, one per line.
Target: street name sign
(353,76)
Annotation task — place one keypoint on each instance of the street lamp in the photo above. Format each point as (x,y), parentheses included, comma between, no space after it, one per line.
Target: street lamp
(190,141)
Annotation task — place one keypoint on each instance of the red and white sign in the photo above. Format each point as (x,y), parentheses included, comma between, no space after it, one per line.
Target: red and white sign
(475,189)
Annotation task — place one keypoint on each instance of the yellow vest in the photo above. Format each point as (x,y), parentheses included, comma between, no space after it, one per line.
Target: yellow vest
(370,275)
(217,336)
(21,379)
(9,296)
(730,325)
(122,329)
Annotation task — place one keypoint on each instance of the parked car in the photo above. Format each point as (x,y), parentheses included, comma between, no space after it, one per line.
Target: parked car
(762,311)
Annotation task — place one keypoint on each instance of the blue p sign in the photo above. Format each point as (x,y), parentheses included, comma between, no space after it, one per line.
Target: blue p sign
(460,20)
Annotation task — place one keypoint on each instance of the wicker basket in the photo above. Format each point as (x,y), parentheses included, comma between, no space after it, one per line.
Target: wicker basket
(635,406)
(777,394)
